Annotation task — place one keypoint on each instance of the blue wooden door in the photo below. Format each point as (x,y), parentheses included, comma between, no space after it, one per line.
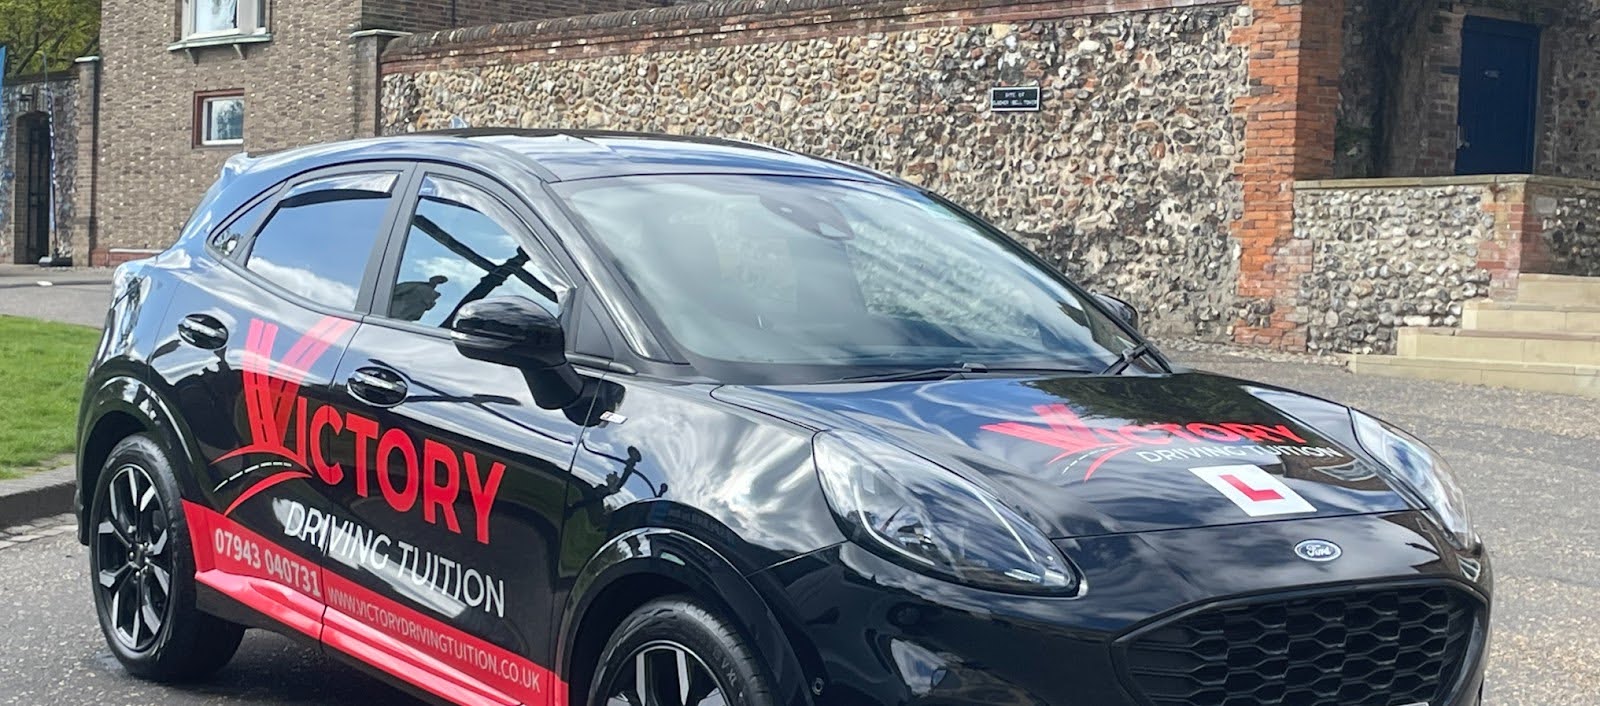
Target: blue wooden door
(1499,95)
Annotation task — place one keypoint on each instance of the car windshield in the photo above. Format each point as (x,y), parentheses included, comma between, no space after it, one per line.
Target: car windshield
(836,278)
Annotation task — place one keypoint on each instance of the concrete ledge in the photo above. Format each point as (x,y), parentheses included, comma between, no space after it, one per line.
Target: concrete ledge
(1435,182)
(38,495)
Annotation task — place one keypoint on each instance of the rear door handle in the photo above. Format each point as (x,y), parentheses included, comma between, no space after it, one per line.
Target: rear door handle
(379,387)
(203,331)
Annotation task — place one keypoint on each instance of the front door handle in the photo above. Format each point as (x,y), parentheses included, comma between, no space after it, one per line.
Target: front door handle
(203,331)
(379,387)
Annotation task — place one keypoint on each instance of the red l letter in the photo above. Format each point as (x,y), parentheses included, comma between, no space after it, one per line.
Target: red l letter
(1256,495)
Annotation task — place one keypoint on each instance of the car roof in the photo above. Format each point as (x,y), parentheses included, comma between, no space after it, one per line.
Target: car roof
(566,155)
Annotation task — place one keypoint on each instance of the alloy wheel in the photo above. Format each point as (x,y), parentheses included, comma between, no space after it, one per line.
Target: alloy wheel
(665,674)
(133,561)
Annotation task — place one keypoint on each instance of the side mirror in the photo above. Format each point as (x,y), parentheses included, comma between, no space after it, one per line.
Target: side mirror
(516,332)
(1121,308)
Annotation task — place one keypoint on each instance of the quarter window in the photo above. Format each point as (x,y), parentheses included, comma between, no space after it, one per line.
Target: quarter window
(227,240)
(209,18)
(219,118)
(317,242)
(465,245)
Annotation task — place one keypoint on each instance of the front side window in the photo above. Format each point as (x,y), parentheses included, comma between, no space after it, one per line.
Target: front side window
(318,240)
(465,245)
(219,118)
(204,18)
(816,276)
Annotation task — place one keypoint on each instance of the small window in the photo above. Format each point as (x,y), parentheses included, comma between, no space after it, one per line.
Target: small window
(318,241)
(465,245)
(219,118)
(213,18)
(227,240)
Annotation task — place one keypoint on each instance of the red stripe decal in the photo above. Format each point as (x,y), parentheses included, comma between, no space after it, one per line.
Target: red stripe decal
(263,484)
(381,631)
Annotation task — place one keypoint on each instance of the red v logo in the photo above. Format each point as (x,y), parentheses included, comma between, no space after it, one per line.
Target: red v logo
(271,388)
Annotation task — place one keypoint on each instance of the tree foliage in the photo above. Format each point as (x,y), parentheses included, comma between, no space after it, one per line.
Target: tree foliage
(42,35)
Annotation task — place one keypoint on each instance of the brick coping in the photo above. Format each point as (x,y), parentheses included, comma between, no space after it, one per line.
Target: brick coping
(734,16)
(1431,182)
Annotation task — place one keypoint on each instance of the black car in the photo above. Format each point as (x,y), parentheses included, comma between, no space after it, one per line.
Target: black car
(600,418)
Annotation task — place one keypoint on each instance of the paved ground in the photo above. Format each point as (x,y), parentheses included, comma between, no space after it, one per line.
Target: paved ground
(1530,463)
(73,295)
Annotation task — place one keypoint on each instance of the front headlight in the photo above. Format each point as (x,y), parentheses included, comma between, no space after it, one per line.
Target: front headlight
(915,512)
(1422,472)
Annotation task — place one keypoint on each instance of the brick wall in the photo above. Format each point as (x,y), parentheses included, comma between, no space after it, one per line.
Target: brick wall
(298,89)
(1127,179)
(1290,115)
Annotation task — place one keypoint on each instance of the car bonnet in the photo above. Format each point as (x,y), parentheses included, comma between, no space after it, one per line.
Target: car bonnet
(1085,455)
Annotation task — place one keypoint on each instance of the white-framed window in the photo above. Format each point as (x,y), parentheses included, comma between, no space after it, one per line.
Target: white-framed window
(219,118)
(220,18)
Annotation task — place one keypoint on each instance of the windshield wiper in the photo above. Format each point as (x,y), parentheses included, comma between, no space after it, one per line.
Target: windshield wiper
(946,372)
(1128,356)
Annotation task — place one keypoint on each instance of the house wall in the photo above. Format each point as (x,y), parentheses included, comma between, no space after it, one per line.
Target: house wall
(298,89)
(1135,178)
(57,98)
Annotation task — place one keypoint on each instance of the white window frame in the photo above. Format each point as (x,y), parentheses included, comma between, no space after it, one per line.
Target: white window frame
(204,116)
(252,19)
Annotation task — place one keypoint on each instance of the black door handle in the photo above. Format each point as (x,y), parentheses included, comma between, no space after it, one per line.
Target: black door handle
(203,331)
(379,387)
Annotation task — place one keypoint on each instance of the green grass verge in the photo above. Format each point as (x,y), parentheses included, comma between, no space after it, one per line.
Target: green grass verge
(41,378)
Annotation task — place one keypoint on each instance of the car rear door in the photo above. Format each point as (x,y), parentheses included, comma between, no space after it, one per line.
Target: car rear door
(255,335)
(455,512)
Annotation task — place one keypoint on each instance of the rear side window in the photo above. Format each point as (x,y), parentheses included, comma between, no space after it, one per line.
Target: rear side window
(317,242)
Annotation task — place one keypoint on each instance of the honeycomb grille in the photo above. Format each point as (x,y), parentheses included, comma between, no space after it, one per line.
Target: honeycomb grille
(1379,648)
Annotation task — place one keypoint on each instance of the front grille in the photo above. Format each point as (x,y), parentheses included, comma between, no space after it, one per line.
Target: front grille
(1391,647)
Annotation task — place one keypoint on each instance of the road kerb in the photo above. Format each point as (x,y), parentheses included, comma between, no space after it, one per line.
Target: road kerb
(37,495)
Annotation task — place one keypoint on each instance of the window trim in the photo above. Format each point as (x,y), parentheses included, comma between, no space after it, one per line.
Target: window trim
(250,20)
(405,174)
(200,122)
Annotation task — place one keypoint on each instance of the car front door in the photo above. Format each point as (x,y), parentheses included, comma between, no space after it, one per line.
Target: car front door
(255,338)
(455,507)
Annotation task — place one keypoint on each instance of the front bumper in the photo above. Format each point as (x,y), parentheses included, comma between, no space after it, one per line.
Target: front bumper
(869,631)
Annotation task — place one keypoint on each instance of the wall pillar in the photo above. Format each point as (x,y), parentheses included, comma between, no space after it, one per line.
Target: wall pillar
(1290,114)
(82,232)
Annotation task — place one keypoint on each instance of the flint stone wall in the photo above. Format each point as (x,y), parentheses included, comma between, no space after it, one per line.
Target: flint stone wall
(1387,258)
(1569,227)
(1126,179)
(1392,253)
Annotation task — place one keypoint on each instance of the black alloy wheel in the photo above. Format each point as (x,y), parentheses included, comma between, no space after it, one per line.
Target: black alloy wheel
(675,651)
(133,558)
(142,570)
(666,674)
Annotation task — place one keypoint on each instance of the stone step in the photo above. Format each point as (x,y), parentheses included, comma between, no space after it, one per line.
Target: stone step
(1559,290)
(1582,380)
(1504,346)
(1484,315)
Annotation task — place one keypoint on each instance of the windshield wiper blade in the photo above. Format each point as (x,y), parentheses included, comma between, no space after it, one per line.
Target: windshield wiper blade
(946,372)
(1127,357)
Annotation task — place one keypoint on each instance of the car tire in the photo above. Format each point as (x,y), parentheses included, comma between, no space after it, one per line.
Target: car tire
(674,640)
(139,553)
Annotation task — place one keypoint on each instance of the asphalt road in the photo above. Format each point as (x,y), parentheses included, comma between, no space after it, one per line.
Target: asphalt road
(1530,463)
(77,296)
